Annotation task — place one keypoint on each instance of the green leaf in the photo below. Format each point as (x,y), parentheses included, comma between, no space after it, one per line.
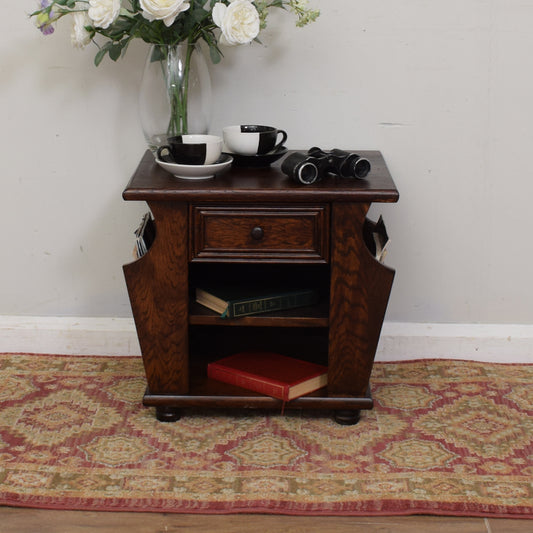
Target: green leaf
(199,15)
(157,54)
(114,51)
(100,55)
(66,3)
(216,55)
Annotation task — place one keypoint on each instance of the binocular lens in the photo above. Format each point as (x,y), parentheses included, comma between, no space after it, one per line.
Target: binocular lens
(307,173)
(349,165)
(361,167)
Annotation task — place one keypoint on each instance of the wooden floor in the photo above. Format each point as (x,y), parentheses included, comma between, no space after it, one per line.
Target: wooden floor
(42,521)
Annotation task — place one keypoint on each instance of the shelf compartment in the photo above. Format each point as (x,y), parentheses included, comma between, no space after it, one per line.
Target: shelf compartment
(208,343)
(280,278)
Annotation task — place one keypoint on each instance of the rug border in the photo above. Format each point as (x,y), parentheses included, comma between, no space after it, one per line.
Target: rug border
(256,508)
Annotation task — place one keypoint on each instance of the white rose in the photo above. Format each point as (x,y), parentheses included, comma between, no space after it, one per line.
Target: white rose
(165,10)
(103,12)
(239,21)
(79,36)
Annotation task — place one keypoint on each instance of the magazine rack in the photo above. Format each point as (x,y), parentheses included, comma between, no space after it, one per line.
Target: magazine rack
(254,225)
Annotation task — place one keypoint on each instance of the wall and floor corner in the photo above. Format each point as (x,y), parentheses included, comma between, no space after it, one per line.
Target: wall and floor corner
(399,341)
(442,89)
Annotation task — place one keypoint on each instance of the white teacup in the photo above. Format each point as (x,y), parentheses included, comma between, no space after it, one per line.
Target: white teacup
(191,149)
(252,139)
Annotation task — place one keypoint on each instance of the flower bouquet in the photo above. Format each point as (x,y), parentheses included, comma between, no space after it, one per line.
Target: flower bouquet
(165,24)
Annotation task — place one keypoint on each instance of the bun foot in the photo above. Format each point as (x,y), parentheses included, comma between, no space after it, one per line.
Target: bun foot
(347,418)
(167,414)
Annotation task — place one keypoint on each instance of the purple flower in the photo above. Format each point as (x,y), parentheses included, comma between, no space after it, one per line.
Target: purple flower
(47,29)
(45,19)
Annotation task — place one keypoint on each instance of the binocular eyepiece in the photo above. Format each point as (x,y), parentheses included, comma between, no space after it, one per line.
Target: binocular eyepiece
(316,164)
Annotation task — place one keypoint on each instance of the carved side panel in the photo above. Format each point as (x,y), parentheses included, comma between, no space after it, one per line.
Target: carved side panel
(158,290)
(360,288)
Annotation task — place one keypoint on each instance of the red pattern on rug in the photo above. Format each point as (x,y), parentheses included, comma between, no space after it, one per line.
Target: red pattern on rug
(445,437)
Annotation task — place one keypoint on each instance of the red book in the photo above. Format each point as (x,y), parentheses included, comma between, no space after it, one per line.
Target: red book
(269,373)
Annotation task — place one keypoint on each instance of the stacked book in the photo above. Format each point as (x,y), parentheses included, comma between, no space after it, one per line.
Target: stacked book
(269,373)
(235,302)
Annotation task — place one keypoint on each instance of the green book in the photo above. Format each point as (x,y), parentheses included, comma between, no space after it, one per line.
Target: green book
(237,302)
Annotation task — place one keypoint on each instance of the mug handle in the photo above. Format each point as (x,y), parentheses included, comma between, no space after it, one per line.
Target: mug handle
(282,142)
(160,150)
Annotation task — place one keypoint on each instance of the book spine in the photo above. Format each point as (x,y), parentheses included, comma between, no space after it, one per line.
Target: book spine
(272,303)
(246,381)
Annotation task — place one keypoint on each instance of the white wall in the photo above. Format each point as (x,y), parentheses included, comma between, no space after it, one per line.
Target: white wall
(443,88)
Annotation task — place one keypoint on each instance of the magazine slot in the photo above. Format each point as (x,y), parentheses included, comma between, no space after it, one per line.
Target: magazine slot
(376,238)
(144,236)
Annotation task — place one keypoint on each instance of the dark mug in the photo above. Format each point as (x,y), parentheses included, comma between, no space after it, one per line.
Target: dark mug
(249,139)
(191,150)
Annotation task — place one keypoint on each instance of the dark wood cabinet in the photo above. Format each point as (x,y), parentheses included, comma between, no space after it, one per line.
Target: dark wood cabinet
(254,226)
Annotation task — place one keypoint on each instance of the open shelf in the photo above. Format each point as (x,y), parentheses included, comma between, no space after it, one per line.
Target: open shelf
(207,393)
(208,343)
(281,278)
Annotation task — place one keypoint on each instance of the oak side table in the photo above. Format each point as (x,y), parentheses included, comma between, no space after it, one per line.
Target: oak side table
(254,225)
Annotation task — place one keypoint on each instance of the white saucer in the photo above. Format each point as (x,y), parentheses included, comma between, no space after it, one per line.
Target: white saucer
(196,172)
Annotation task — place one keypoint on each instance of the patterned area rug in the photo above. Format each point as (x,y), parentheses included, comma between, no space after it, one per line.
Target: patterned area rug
(445,437)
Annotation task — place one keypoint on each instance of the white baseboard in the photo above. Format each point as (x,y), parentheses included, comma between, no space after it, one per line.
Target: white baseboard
(500,343)
(68,335)
(496,343)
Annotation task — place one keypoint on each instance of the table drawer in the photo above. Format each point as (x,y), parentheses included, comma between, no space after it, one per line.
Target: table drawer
(230,233)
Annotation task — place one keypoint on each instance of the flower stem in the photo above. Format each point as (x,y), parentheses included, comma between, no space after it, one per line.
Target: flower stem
(185,117)
(178,87)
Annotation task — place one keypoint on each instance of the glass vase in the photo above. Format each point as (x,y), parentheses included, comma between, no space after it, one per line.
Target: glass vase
(175,93)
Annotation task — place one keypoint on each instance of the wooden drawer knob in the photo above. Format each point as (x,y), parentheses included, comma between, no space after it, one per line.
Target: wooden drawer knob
(257,233)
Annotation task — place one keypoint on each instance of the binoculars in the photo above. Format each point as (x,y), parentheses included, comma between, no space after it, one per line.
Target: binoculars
(306,168)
